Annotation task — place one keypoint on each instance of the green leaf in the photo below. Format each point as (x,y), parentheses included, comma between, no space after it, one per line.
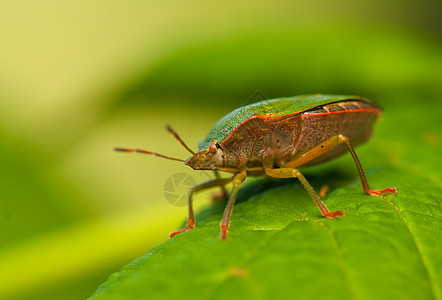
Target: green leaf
(280,247)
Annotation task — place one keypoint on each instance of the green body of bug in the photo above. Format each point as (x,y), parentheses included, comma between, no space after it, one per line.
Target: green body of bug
(274,137)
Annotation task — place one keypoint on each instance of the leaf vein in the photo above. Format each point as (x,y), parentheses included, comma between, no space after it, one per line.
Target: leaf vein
(418,249)
(342,265)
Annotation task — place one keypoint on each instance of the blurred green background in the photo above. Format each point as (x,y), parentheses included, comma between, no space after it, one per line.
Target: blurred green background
(80,77)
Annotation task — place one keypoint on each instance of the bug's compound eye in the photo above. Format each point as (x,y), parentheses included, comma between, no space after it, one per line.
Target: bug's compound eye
(212,148)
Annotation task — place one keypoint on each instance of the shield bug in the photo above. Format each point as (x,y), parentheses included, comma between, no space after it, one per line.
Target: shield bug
(275,137)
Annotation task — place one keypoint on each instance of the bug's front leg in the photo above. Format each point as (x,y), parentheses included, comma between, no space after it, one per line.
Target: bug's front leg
(330,144)
(237,181)
(294,173)
(199,187)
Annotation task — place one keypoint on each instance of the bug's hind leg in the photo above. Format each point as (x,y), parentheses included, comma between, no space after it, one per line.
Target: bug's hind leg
(330,144)
(292,172)
(237,181)
(199,187)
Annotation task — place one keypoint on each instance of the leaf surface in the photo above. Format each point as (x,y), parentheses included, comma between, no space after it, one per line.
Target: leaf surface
(280,247)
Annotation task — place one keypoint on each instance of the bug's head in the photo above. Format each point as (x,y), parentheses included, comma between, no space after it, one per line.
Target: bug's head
(211,158)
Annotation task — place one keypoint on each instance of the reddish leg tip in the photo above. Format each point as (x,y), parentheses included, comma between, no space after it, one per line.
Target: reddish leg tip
(390,190)
(334,214)
(224,230)
(223,235)
(179,231)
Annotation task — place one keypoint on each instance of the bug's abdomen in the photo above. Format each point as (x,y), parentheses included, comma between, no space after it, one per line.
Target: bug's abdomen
(353,119)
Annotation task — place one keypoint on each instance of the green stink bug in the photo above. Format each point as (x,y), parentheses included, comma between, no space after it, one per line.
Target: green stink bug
(275,137)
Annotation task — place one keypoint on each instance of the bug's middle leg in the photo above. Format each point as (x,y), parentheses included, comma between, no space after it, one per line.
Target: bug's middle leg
(199,187)
(292,172)
(237,181)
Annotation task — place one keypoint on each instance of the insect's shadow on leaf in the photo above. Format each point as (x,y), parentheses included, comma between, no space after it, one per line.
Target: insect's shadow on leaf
(332,177)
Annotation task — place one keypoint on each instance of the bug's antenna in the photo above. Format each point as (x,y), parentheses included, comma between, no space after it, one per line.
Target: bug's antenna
(179,139)
(147,152)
